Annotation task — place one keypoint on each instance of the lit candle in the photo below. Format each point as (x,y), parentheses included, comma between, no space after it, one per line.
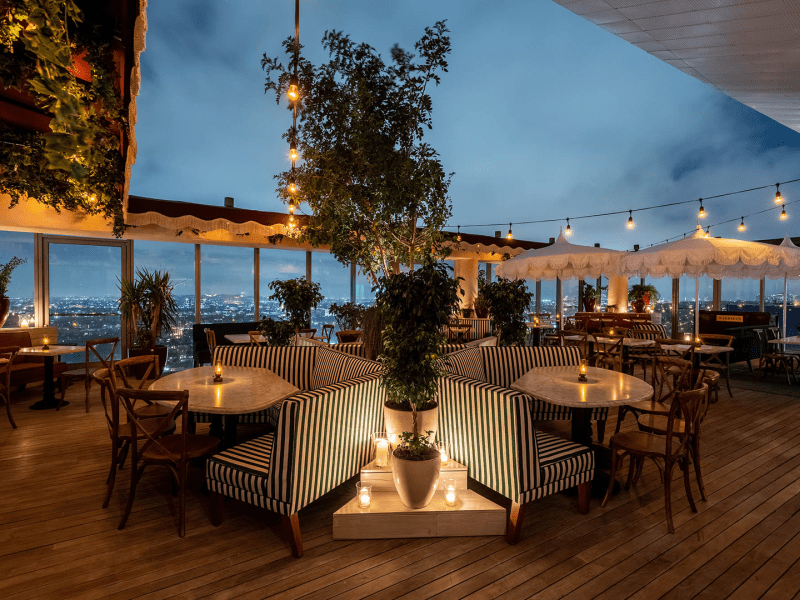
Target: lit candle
(582,371)
(697,339)
(45,343)
(218,371)
(443,453)
(687,338)
(23,323)
(364,498)
(363,495)
(450,493)
(381,453)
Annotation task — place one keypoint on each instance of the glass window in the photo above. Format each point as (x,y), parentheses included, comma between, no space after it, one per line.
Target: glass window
(334,280)
(178,260)
(364,293)
(226,284)
(277,265)
(20,286)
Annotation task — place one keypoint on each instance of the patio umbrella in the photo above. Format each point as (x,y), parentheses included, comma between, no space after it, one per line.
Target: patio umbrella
(561,260)
(718,258)
(786,243)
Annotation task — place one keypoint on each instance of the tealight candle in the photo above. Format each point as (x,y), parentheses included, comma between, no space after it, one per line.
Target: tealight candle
(443,452)
(381,453)
(24,323)
(218,371)
(582,371)
(687,338)
(450,495)
(45,343)
(363,495)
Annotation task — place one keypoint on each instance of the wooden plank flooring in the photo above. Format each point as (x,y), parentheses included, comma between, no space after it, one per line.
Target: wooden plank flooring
(744,542)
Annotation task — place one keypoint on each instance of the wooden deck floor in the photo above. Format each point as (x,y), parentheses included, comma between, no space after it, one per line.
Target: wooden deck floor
(57,542)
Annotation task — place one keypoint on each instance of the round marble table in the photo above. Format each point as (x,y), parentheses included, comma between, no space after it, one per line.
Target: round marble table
(560,385)
(242,390)
(48,388)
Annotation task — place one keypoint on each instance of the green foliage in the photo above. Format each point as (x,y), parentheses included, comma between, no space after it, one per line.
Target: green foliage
(5,273)
(277,333)
(638,291)
(149,305)
(78,166)
(480,304)
(590,291)
(420,447)
(348,315)
(416,306)
(377,192)
(298,297)
(508,304)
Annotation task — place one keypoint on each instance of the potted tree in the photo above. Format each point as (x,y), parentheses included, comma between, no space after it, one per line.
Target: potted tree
(298,297)
(416,307)
(591,296)
(5,278)
(277,333)
(508,301)
(641,296)
(349,318)
(150,308)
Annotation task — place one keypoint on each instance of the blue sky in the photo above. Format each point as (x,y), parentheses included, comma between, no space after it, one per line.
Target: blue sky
(542,115)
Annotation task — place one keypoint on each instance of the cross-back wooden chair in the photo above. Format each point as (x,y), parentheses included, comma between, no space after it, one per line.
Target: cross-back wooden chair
(104,360)
(327,332)
(173,451)
(773,358)
(308,332)
(211,340)
(613,355)
(254,340)
(124,378)
(671,448)
(118,431)
(7,355)
(719,363)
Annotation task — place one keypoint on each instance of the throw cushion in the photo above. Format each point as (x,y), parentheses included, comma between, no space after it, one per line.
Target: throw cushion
(245,466)
(561,459)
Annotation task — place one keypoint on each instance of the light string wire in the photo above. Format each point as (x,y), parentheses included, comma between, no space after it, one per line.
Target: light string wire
(641,209)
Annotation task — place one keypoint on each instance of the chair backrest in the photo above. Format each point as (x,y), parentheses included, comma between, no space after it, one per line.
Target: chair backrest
(106,358)
(676,381)
(128,398)
(688,406)
(307,333)
(105,379)
(613,351)
(254,338)
(773,333)
(211,340)
(761,340)
(717,339)
(327,332)
(122,367)
(348,336)
(7,355)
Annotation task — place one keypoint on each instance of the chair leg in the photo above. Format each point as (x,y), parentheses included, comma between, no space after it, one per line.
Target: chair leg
(62,383)
(621,412)
(728,382)
(515,520)
(217,507)
(112,474)
(7,399)
(584,494)
(631,470)
(694,449)
(292,526)
(601,430)
(612,476)
(686,484)
(135,475)
(88,387)
(668,495)
(182,499)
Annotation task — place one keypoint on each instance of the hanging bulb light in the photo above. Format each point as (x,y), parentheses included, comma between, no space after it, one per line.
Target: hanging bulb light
(293,155)
(568,230)
(291,221)
(293,92)
(291,208)
(784,216)
(702,213)
(742,226)
(510,235)
(708,231)
(631,224)
(458,237)
(778,197)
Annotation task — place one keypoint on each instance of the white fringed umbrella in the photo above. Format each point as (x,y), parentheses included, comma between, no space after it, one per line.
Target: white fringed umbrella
(718,258)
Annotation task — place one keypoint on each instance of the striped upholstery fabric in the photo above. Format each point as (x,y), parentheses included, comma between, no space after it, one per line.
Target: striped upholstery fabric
(450,348)
(358,367)
(327,368)
(354,348)
(294,364)
(490,428)
(466,363)
(650,331)
(244,466)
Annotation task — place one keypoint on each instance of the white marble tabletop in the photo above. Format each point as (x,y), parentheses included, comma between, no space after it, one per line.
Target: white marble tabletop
(541,325)
(631,342)
(794,339)
(704,349)
(53,350)
(242,338)
(242,390)
(560,385)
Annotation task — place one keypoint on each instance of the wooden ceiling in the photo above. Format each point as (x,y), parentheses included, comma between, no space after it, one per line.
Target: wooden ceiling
(747,49)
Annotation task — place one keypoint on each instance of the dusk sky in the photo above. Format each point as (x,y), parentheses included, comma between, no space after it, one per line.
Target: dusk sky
(541,115)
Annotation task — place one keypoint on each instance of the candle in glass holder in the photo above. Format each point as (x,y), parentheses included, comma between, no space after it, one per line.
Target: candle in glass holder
(218,371)
(23,323)
(381,452)
(450,495)
(697,340)
(45,343)
(363,495)
(687,337)
(443,452)
(582,371)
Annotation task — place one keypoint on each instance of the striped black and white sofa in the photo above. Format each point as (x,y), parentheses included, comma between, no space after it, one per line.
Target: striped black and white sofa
(502,365)
(490,428)
(651,331)
(321,437)
(357,348)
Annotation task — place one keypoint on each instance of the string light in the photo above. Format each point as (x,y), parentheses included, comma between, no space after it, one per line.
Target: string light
(631,224)
(784,216)
(293,92)
(291,208)
(509,236)
(293,155)
(702,213)
(778,197)
(742,226)
(708,231)
(458,237)
(568,231)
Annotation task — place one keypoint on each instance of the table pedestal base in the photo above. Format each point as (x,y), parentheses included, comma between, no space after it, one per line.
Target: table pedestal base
(48,400)
(226,433)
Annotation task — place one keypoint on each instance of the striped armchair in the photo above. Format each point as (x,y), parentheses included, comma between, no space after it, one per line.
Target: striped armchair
(321,439)
(490,428)
(502,365)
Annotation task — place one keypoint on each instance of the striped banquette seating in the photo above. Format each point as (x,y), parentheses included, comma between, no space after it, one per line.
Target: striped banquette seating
(357,348)
(502,365)
(321,436)
(490,428)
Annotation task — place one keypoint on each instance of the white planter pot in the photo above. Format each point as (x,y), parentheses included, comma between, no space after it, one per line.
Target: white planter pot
(416,480)
(398,421)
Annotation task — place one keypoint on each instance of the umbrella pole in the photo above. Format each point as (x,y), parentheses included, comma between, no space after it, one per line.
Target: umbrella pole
(696,307)
(785,287)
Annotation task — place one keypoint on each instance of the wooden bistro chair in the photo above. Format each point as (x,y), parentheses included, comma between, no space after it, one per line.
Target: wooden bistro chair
(106,360)
(348,336)
(613,356)
(670,449)
(119,432)
(308,333)
(7,355)
(254,340)
(124,378)
(211,340)
(172,451)
(719,363)
(327,332)
(773,358)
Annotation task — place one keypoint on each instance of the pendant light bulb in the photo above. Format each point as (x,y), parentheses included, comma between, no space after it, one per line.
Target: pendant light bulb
(293,155)
(568,231)
(458,237)
(778,197)
(291,208)
(631,224)
(708,231)
(784,216)
(510,236)
(742,226)
(293,92)
(702,213)
(292,187)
